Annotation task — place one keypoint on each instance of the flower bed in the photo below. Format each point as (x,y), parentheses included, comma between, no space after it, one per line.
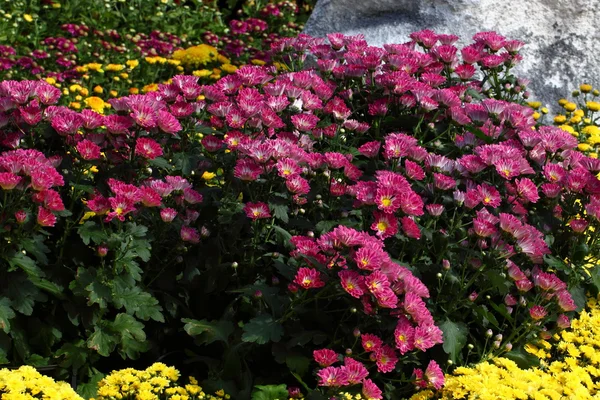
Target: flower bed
(359,226)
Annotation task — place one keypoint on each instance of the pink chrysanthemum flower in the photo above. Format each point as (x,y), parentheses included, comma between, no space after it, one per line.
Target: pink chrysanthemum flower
(370,390)
(404,335)
(413,170)
(386,359)
(332,377)
(370,342)
(489,195)
(427,336)
(258,210)
(308,278)
(325,357)
(120,206)
(377,282)
(286,167)
(247,170)
(9,181)
(385,225)
(45,217)
(191,196)
(563,321)
(410,228)
(168,214)
(434,375)
(370,149)
(305,122)
(88,150)
(565,301)
(297,185)
(189,234)
(144,115)
(527,190)
(537,312)
(387,200)
(148,148)
(369,258)
(355,371)
(352,282)
(416,308)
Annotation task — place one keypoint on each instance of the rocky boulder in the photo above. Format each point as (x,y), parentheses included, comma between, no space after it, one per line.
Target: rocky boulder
(562,40)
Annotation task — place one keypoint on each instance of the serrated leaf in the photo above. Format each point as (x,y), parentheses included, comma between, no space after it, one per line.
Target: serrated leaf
(20,260)
(132,335)
(208,331)
(75,355)
(98,293)
(90,389)
(102,341)
(280,211)
(6,314)
(161,163)
(137,302)
(23,295)
(91,232)
(270,392)
(297,363)
(35,245)
(262,329)
(455,338)
(595,272)
(283,236)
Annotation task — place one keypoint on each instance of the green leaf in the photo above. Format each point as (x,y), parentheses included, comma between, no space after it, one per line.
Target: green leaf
(283,236)
(595,272)
(325,226)
(555,262)
(208,332)
(523,359)
(161,163)
(35,245)
(6,314)
(133,337)
(478,133)
(297,363)
(137,302)
(23,295)
(579,297)
(20,260)
(90,389)
(91,232)
(270,392)
(99,293)
(280,211)
(455,338)
(262,330)
(75,355)
(101,341)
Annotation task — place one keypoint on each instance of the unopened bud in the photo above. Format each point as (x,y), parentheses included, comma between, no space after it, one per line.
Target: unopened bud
(102,250)
(446,264)
(489,333)
(348,352)
(234,265)
(356,332)
(508,346)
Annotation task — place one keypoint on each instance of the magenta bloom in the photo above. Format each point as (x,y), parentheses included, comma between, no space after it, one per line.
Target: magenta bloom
(370,149)
(410,228)
(355,371)
(258,210)
(370,342)
(563,321)
(427,336)
(565,301)
(9,181)
(332,377)
(352,282)
(384,225)
(247,170)
(148,148)
(537,312)
(168,214)
(144,115)
(434,375)
(386,359)
(305,122)
(189,234)
(88,150)
(308,278)
(370,390)
(404,336)
(45,217)
(325,357)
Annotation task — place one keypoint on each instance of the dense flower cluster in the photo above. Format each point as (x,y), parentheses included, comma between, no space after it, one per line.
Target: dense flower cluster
(26,383)
(403,195)
(157,382)
(569,368)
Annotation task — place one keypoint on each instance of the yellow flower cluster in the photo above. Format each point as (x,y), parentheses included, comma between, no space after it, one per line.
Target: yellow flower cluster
(201,54)
(26,383)
(570,369)
(580,120)
(157,382)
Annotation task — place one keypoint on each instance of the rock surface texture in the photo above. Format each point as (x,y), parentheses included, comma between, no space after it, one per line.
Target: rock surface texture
(562,38)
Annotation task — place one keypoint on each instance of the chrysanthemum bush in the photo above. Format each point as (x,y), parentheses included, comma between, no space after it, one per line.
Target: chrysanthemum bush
(568,368)
(357,227)
(27,383)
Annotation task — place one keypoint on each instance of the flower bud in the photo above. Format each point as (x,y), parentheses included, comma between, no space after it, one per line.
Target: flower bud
(21,216)
(508,346)
(102,250)
(234,265)
(258,294)
(275,280)
(473,296)
(446,264)
(353,310)
(348,352)
(498,337)
(497,344)
(356,332)
(489,333)
(310,234)
(470,346)
(439,275)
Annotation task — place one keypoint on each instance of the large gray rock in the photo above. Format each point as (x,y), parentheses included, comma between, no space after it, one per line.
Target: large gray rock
(562,38)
